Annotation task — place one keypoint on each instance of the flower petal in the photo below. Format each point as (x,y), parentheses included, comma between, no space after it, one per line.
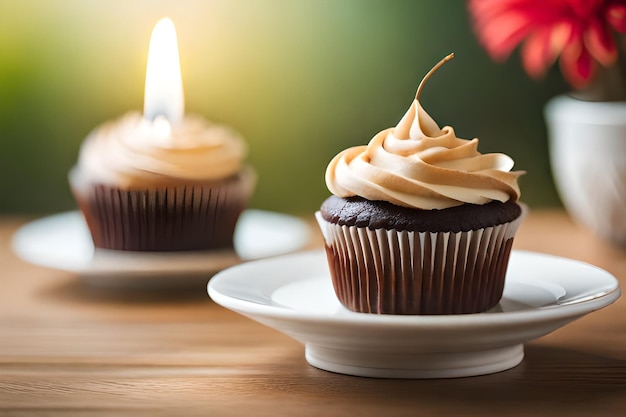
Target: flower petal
(577,64)
(543,47)
(560,35)
(599,42)
(501,36)
(536,54)
(490,9)
(616,16)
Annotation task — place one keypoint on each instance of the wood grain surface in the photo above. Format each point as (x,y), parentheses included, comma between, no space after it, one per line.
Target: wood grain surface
(67,349)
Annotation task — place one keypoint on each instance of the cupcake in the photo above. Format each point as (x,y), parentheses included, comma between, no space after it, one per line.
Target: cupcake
(140,189)
(419,221)
(162,180)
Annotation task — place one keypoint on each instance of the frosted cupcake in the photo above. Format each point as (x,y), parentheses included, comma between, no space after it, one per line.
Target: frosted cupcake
(419,221)
(144,190)
(162,181)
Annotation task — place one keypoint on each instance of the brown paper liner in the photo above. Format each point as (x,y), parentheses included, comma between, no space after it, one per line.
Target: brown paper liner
(399,272)
(170,218)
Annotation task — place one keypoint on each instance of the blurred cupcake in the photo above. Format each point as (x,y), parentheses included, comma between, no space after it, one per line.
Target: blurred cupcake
(419,222)
(162,181)
(142,189)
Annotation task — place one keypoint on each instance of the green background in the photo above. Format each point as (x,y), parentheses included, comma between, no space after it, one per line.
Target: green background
(300,79)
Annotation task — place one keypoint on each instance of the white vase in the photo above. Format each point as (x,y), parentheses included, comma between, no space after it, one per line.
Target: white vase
(588,155)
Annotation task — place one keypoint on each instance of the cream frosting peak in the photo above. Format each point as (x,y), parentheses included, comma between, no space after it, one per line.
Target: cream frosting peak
(132,151)
(412,126)
(419,165)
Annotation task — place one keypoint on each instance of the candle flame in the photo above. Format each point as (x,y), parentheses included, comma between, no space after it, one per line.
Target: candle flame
(164,84)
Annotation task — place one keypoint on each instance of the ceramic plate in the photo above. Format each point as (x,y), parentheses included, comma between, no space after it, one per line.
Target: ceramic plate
(294,294)
(62,241)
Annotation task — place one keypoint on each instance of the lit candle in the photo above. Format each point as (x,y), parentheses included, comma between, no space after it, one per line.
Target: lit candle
(164,85)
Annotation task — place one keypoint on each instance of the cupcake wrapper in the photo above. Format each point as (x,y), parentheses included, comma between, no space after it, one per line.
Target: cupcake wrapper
(399,272)
(173,218)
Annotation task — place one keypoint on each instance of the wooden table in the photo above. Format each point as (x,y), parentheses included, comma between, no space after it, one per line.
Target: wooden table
(67,350)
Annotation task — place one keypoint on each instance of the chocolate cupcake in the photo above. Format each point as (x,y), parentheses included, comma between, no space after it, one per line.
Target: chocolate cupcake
(142,187)
(419,222)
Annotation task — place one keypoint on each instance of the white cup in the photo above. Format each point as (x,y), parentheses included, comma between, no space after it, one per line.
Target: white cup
(588,156)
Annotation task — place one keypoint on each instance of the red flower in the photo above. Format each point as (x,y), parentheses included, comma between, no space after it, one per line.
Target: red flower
(580,31)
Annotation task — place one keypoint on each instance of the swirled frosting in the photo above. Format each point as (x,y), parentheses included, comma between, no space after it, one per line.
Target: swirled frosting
(133,151)
(418,165)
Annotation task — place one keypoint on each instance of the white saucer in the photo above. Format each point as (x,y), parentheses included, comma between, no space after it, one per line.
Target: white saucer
(62,241)
(294,294)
